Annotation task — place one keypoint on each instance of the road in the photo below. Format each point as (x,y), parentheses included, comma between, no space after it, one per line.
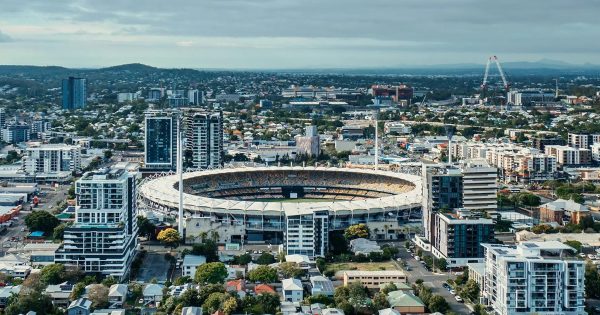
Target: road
(431,280)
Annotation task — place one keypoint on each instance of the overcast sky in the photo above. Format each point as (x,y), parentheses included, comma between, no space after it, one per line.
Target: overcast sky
(296,33)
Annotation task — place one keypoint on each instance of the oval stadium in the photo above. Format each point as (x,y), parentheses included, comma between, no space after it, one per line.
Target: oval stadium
(293,206)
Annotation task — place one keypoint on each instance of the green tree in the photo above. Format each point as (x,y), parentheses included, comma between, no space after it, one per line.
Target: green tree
(438,304)
(109,281)
(357,231)
(592,281)
(229,305)
(169,237)
(290,270)
(243,259)
(380,301)
(470,290)
(208,249)
(190,298)
(145,227)
(27,301)
(390,287)
(263,274)
(265,259)
(213,302)
(207,290)
(52,274)
(441,264)
(41,221)
(269,302)
(575,244)
(213,272)
(78,290)
(59,231)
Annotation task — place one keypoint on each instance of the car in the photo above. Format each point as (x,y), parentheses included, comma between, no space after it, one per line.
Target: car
(22,229)
(141,301)
(582,255)
(452,292)
(458,299)
(446,285)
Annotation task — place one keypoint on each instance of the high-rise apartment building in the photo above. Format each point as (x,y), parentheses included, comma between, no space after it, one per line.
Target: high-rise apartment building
(569,155)
(73,93)
(307,234)
(52,158)
(160,149)
(16,133)
(103,238)
(442,190)
(204,138)
(533,278)
(479,185)
(2,117)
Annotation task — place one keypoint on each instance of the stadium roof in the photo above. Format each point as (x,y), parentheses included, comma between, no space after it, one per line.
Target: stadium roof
(163,191)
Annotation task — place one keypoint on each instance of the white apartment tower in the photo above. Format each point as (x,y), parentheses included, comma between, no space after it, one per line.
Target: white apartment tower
(533,278)
(52,158)
(479,185)
(307,234)
(104,236)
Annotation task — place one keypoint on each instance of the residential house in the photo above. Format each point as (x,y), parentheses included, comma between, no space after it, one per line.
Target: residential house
(191,310)
(238,286)
(405,302)
(117,294)
(264,289)
(60,294)
(292,290)
(81,306)
(153,293)
(7,292)
(321,285)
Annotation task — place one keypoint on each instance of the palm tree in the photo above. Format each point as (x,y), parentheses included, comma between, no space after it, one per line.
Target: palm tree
(203,236)
(214,236)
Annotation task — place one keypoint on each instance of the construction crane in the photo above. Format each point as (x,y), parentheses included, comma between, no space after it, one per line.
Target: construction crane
(487,70)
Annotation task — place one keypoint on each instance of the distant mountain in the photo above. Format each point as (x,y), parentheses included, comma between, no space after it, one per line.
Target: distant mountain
(132,67)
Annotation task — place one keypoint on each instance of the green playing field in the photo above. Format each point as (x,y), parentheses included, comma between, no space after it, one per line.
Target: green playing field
(296,200)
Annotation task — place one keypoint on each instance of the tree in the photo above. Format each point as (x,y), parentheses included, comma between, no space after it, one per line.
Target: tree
(380,301)
(78,290)
(390,287)
(108,154)
(357,295)
(265,259)
(52,274)
(243,259)
(269,302)
(169,237)
(190,298)
(230,305)
(320,298)
(470,290)
(263,274)
(213,272)
(213,302)
(145,227)
(109,281)
(438,304)
(357,231)
(592,281)
(98,295)
(575,244)
(290,270)
(27,301)
(207,290)
(59,231)
(41,221)
(441,264)
(208,249)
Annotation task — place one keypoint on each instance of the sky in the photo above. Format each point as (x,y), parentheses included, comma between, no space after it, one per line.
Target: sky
(276,34)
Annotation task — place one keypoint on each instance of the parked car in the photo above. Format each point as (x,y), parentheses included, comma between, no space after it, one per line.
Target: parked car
(458,299)
(452,292)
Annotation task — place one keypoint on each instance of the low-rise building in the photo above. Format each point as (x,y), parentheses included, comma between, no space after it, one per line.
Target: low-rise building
(405,302)
(321,286)
(153,293)
(81,306)
(562,211)
(60,294)
(190,264)
(373,279)
(117,294)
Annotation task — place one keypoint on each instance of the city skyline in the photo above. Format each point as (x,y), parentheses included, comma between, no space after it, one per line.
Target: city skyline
(293,34)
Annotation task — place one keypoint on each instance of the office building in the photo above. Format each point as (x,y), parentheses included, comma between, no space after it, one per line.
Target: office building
(310,143)
(204,138)
(195,97)
(73,93)
(399,93)
(104,236)
(52,158)
(458,237)
(307,234)
(529,97)
(16,133)
(160,149)
(533,278)
(128,97)
(374,279)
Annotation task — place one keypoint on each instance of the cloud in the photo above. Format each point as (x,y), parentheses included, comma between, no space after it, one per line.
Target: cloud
(5,38)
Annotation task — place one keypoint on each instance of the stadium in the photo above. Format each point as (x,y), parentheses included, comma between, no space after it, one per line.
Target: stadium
(257,204)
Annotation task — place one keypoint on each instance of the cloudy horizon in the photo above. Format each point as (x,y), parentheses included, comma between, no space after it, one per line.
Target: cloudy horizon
(273,34)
